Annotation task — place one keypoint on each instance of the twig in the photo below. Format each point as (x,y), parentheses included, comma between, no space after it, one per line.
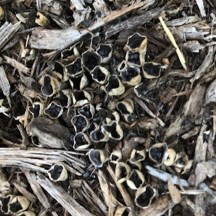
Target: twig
(25,192)
(142,104)
(70,204)
(124,193)
(25,141)
(37,190)
(165,176)
(95,198)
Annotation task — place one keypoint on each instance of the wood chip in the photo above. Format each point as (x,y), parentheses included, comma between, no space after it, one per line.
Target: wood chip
(174,192)
(194,105)
(4,84)
(182,21)
(133,21)
(205,169)
(201,146)
(210,96)
(7,31)
(200,5)
(205,65)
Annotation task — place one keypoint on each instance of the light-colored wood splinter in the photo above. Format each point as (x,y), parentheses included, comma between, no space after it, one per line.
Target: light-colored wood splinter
(172,39)
(4,84)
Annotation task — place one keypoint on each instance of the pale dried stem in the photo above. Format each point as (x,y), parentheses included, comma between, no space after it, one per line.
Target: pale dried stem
(95,198)
(25,192)
(142,104)
(37,190)
(69,203)
(122,190)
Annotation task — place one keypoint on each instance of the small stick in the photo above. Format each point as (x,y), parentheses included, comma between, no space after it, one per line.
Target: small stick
(69,203)
(25,141)
(37,190)
(95,198)
(142,104)
(25,192)
(122,190)
(72,170)
(166,176)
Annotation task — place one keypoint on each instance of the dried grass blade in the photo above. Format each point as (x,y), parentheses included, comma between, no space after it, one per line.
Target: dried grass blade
(172,39)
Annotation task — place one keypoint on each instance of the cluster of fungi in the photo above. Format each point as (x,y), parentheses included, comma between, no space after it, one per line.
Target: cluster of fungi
(93,86)
(91,94)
